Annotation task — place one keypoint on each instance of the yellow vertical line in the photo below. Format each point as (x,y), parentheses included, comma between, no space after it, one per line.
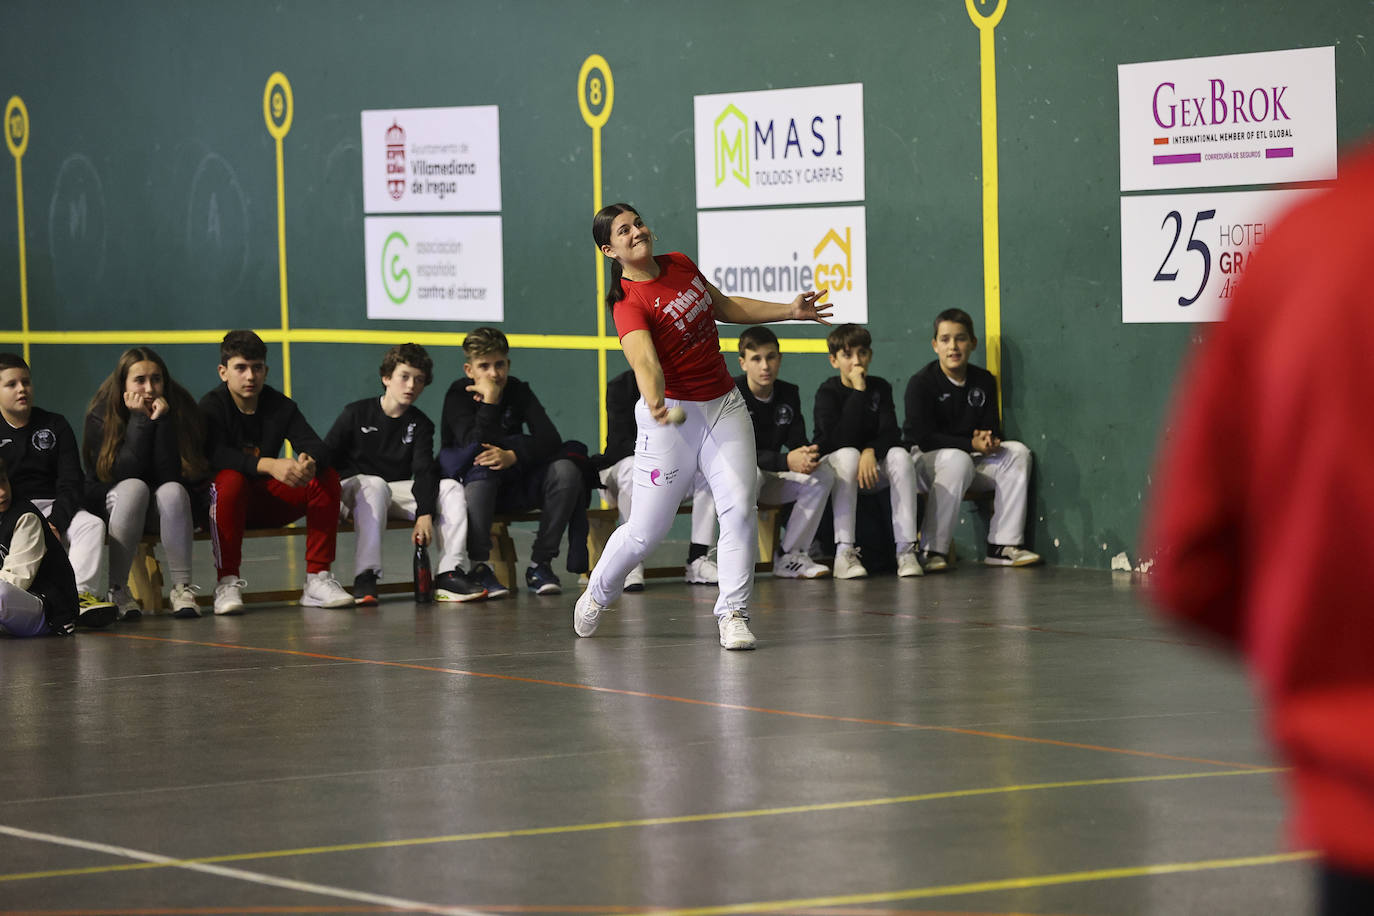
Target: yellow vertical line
(992,277)
(281,268)
(595,87)
(16,129)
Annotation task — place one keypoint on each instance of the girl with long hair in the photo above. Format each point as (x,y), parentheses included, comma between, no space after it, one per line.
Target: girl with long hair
(144,451)
(690,415)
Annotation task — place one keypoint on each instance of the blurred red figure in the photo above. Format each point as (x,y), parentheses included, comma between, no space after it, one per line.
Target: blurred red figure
(1264,495)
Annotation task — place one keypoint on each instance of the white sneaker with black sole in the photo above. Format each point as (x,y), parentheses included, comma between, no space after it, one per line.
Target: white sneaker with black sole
(797,565)
(702,571)
(734,631)
(183,600)
(122,598)
(323,590)
(587,614)
(1011,555)
(634,580)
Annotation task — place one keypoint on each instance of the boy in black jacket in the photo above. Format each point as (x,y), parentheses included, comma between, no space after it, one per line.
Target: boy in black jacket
(485,444)
(789,468)
(956,443)
(384,450)
(37,586)
(856,432)
(246,424)
(44,463)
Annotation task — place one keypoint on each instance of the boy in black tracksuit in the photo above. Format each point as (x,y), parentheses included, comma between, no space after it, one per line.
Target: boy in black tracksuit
(485,444)
(40,450)
(789,467)
(384,450)
(856,431)
(37,585)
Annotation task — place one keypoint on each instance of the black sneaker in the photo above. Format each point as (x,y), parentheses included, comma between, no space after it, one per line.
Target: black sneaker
(455,586)
(541,580)
(482,575)
(93,614)
(365,587)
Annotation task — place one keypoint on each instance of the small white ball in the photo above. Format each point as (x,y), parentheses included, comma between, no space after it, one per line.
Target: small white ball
(676,415)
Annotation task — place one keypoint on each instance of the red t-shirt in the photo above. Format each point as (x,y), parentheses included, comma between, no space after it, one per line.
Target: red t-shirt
(675,308)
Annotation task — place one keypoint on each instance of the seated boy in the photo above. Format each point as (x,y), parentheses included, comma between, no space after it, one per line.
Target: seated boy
(37,585)
(246,424)
(617,466)
(44,463)
(485,444)
(955,437)
(857,436)
(384,451)
(789,469)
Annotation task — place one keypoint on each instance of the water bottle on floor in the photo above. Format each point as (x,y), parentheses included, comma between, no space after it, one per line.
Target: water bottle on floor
(424,577)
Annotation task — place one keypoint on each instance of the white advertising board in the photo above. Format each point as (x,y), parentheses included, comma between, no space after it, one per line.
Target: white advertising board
(436,268)
(776,254)
(780,146)
(1262,118)
(1182,254)
(432,160)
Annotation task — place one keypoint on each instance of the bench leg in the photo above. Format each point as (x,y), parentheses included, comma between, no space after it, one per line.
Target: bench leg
(503,555)
(599,530)
(770,528)
(145,579)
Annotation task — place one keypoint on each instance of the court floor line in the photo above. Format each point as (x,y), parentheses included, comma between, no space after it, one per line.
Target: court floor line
(985,887)
(668,820)
(575,909)
(237,874)
(790,713)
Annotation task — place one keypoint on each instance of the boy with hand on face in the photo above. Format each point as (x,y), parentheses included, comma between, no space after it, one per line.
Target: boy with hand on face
(500,442)
(384,450)
(955,435)
(857,435)
(246,424)
(39,448)
(37,585)
(789,469)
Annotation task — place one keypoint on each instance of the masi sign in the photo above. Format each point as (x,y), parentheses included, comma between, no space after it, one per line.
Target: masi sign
(780,146)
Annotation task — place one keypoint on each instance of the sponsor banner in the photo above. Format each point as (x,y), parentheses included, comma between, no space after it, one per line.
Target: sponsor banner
(1183,254)
(776,254)
(431,160)
(1262,118)
(435,268)
(780,146)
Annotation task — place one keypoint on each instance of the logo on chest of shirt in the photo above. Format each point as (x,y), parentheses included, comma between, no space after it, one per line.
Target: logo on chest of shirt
(873,402)
(367,429)
(409,437)
(977,397)
(783,415)
(44,439)
(5,442)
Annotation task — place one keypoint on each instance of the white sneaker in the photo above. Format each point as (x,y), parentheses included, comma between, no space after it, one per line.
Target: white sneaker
(909,563)
(587,614)
(323,590)
(702,571)
(847,565)
(634,580)
(229,596)
(734,631)
(797,565)
(129,608)
(183,600)
(1011,556)
(934,562)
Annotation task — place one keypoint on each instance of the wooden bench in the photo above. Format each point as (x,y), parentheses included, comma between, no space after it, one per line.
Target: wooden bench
(146,580)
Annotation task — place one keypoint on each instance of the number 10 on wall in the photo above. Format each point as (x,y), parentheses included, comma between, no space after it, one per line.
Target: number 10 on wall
(1183,254)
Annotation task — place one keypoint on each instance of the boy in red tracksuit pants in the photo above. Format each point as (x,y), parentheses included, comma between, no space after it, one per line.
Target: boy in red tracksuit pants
(246,424)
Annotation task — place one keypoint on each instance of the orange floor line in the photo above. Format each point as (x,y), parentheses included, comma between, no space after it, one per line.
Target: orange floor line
(949,729)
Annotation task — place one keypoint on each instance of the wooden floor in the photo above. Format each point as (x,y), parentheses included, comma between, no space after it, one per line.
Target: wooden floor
(981,742)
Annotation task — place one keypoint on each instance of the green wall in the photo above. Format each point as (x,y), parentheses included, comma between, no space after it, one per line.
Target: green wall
(145,110)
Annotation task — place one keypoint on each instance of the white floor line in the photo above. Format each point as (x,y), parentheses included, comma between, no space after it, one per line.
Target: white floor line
(240,874)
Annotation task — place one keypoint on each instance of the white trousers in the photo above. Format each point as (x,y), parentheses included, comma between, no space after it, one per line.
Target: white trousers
(946,474)
(895,473)
(21,612)
(127,508)
(85,540)
(370,501)
(716,439)
(809,492)
(618,482)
